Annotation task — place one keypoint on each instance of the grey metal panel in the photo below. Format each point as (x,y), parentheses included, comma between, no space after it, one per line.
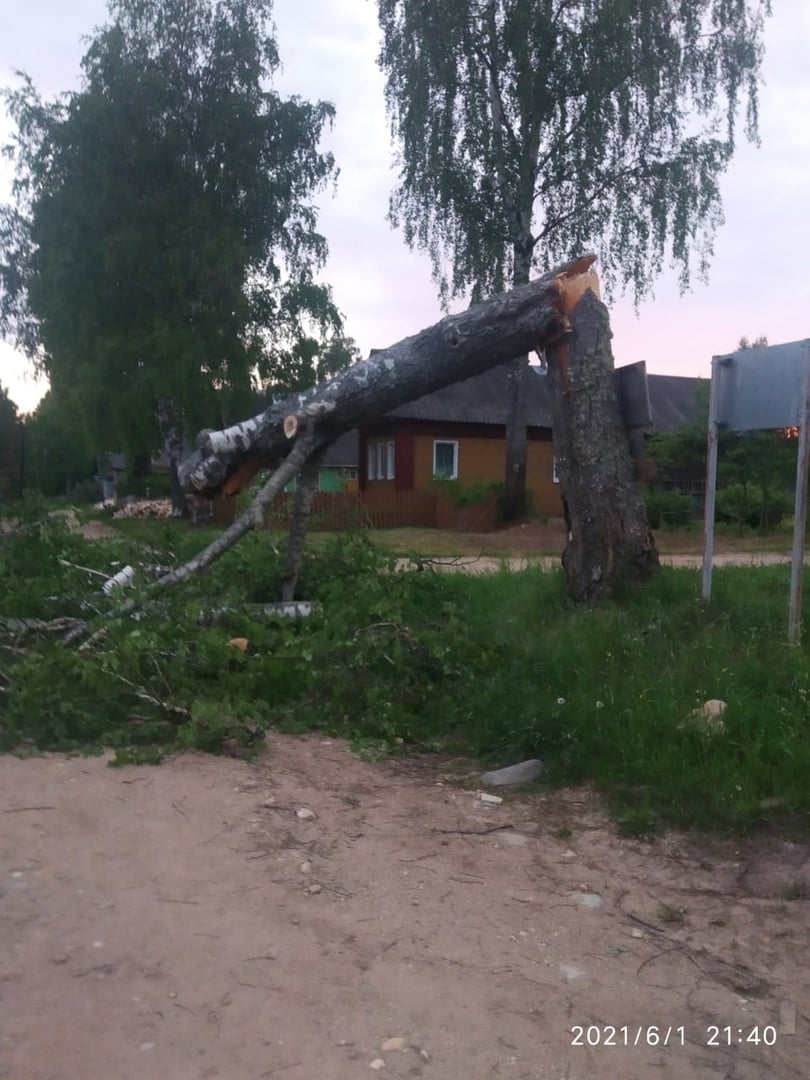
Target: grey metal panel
(761,389)
(634,395)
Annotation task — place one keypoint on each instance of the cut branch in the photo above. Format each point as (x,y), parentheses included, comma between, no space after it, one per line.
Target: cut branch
(251,519)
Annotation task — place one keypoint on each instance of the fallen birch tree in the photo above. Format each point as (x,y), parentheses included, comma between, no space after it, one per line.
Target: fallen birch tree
(552,314)
(526,319)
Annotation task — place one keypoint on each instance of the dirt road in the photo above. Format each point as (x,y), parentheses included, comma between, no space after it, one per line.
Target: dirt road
(487,564)
(186,923)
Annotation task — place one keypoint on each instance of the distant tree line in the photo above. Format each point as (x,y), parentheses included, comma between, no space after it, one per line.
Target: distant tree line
(161,242)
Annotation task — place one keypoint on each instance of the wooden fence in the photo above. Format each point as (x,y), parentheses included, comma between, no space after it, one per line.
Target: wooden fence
(340,511)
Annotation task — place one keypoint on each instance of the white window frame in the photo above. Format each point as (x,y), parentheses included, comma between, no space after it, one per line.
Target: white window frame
(380,460)
(371,461)
(390,460)
(555,476)
(446,442)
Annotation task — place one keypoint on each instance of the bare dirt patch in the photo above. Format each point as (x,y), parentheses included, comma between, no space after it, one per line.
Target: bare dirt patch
(90,530)
(544,541)
(184,922)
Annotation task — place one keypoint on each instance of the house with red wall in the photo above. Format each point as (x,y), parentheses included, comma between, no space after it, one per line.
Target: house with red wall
(458,433)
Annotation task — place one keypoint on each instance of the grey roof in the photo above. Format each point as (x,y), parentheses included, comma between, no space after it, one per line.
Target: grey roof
(481,399)
(344,452)
(484,399)
(675,401)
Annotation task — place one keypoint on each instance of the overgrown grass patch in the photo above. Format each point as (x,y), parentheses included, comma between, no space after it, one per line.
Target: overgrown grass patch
(499,666)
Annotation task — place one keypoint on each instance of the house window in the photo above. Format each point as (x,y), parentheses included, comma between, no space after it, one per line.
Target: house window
(445,460)
(381,458)
(555,476)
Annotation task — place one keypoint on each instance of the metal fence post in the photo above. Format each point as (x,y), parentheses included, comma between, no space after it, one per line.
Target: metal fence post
(711,480)
(800,511)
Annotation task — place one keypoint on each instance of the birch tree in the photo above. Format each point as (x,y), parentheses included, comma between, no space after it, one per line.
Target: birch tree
(530,129)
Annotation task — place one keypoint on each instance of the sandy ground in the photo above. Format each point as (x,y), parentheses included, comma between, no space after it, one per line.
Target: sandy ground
(183,922)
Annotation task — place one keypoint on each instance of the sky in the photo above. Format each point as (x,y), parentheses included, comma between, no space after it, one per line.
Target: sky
(759,281)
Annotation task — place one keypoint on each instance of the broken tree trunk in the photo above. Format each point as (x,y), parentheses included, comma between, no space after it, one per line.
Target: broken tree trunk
(283,437)
(488,334)
(610,542)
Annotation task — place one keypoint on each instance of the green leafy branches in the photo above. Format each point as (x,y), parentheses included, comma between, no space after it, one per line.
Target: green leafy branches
(161,241)
(497,665)
(529,131)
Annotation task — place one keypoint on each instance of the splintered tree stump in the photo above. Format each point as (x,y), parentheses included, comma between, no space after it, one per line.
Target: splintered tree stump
(611,542)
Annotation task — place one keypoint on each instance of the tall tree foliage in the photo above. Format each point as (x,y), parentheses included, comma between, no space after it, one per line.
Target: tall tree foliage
(59,452)
(309,362)
(161,242)
(11,447)
(533,129)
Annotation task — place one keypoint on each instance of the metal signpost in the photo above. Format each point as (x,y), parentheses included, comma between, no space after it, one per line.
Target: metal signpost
(759,390)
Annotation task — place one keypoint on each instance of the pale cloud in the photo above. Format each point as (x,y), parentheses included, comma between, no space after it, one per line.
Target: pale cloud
(329,49)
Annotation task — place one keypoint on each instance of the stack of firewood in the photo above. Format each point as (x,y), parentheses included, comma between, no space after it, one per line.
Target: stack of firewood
(144,508)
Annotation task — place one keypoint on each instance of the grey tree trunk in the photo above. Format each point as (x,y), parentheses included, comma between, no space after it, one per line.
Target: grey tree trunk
(171,434)
(611,542)
(306,484)
(515,503)
(514,499)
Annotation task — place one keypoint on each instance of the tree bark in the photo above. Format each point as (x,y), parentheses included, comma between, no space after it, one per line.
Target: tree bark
(252,518)
(515,503)
(610,540)
(488,334)
(171,435)
(305,488)
(514,500)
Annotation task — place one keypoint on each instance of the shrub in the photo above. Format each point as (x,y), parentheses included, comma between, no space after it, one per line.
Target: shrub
(86,491)
(669,508)
(460,495)
(746,506)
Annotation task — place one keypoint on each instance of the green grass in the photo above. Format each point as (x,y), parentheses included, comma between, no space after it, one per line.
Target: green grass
(499,667)
(174,535)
